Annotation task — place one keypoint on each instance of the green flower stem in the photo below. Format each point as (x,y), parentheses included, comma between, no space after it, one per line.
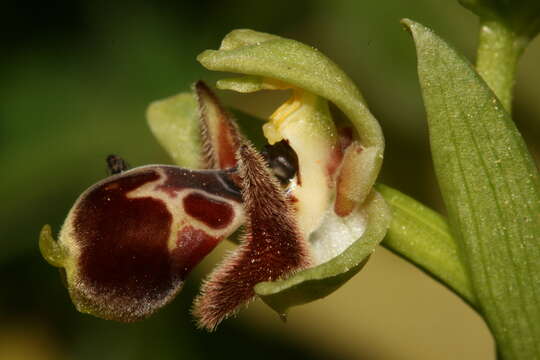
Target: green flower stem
(422,236)
(499,50)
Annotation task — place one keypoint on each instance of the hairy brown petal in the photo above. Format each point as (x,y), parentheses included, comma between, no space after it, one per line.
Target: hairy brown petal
(272,247)
(219,132)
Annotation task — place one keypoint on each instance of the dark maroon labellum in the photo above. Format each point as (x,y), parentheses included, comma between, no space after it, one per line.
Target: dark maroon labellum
(123,228)
(124,240)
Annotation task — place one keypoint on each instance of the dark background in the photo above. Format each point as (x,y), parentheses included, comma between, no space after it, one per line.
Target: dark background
(75,80)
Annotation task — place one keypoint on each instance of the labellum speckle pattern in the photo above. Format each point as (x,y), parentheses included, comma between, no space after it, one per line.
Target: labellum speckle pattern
(131,259)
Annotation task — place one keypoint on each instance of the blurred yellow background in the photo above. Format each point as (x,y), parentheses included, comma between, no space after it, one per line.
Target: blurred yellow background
(75,79)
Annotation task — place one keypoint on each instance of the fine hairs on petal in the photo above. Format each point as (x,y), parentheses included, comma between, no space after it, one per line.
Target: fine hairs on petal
(220,134)
(272,247)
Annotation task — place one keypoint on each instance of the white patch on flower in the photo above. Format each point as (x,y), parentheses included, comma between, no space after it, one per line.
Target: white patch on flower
(336,234)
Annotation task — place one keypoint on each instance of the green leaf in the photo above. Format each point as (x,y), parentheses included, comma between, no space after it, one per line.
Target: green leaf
(491,189)
(422,236)
(319,281)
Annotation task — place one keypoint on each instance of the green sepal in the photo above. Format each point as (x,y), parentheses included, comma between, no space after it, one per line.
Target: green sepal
(245,84)
(319,281)
(491,189)
(264,56)
(174,121)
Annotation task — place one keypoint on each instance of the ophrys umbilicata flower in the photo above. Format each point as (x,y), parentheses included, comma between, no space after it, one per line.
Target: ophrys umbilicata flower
(311,218)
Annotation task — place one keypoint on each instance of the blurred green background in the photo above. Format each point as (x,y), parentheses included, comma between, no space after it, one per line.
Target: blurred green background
(75,80)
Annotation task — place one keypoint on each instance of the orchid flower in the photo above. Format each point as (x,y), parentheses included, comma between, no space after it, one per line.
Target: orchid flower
(310,215)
